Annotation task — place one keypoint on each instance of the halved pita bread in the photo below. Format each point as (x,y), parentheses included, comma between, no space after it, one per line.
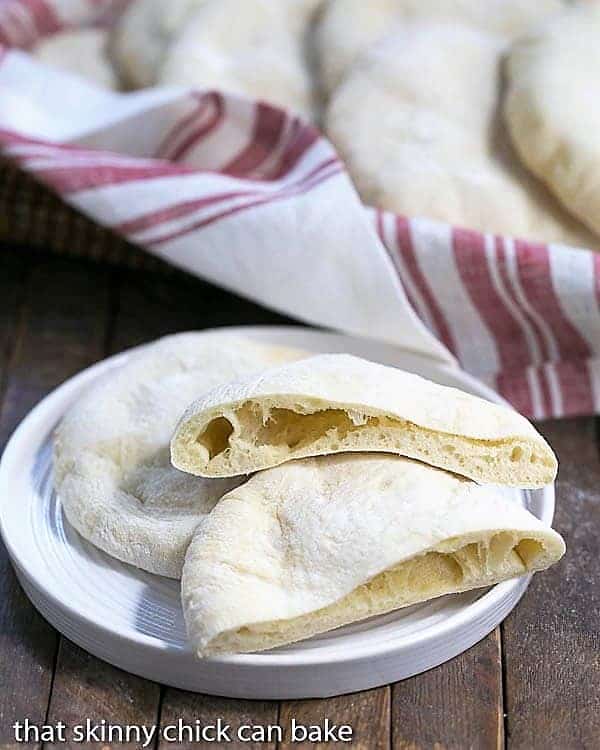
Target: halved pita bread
(335,403)
(325,542)
(111,451)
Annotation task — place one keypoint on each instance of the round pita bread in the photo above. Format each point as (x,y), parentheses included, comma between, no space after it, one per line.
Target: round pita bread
(83,51)
(335,403)
(416,122)
(142,36)
(325,542)
(349,27)
(552,114)
(111,452)
(251,47)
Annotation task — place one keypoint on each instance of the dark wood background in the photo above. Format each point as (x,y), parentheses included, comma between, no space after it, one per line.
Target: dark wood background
(532,683)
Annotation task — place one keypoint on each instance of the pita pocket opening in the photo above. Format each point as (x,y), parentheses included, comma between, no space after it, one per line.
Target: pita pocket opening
(328,541)
(337,403)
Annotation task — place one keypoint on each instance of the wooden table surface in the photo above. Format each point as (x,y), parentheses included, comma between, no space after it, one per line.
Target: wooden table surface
(532,683)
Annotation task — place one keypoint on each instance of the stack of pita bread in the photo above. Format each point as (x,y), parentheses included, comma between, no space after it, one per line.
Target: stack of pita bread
(475,113)
(294,493)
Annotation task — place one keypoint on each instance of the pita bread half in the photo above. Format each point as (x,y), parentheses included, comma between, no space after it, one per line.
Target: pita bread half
(111,451)
(324,542)
(334,403)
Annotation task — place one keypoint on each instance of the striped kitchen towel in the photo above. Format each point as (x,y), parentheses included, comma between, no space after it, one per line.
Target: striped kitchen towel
(252,198)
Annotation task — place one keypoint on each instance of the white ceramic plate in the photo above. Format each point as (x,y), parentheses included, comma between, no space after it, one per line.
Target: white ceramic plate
(133,619)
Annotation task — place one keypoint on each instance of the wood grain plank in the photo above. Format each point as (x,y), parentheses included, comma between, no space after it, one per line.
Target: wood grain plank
(14,272)
(552,638)
(454,706)
(194,709)
(61,332)
(16,615)
(86,688)
(58,321)
(150,306)
(367,713)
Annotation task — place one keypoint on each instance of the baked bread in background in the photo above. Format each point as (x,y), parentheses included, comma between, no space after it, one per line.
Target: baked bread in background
(417,122)
(142,36)
(552,111)
(411,93)
(252,47)
(257,48)
(83,52)
(349,27)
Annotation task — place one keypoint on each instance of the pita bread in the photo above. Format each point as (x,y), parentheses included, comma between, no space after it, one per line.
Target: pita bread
(349,27)
(111,452)
(83,52)
(552,116)
(334,403)
(416,122)
(325,542)
(142,36)
(251,47)
(255,48)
